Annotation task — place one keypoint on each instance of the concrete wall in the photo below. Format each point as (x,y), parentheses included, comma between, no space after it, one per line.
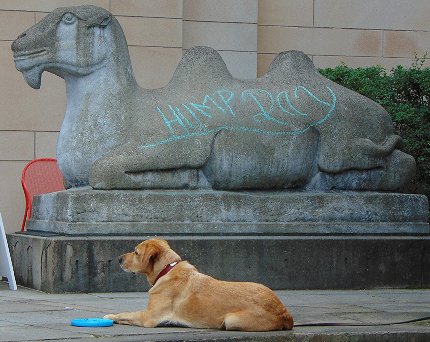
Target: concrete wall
(248,33)
(358,33)
(228,26)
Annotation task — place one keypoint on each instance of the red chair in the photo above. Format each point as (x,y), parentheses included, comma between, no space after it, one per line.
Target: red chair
(40,176)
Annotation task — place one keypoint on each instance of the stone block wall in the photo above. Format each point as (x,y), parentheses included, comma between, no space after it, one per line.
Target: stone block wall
(248,34)
(228,26)
(358,33)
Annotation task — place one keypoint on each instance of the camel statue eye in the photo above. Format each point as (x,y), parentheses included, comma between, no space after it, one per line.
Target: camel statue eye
(68,18)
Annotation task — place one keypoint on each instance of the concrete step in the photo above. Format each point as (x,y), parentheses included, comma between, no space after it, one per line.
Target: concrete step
(56,264)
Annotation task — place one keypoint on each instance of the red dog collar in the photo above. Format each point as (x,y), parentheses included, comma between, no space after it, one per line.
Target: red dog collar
(165,270)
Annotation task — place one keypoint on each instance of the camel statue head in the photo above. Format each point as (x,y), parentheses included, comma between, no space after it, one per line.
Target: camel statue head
(68,41)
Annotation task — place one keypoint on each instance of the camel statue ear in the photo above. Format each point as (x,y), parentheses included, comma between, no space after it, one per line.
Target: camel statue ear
(102,21)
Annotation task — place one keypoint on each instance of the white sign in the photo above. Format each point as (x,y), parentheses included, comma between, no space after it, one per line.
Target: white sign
(6,269)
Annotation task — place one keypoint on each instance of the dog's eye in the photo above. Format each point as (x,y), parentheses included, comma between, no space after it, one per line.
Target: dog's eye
(135,252)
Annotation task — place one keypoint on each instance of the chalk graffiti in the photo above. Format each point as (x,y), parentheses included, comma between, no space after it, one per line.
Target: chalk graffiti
(276,114)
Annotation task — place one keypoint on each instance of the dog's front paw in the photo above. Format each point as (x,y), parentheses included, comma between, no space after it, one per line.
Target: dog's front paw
(111,316)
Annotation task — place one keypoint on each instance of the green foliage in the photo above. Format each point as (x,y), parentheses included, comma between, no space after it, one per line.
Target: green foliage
(405,93)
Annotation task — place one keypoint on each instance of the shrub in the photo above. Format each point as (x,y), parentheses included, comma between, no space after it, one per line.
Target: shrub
(405,93)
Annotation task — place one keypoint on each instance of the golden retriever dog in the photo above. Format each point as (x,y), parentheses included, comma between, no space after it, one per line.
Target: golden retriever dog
(182,296)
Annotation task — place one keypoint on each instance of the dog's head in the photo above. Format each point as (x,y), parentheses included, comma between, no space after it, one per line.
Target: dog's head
(149,258)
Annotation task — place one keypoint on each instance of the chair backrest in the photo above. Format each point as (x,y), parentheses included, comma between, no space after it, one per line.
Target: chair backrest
(40,176)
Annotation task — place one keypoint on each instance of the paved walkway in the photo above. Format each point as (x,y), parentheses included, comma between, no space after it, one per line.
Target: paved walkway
(28,315)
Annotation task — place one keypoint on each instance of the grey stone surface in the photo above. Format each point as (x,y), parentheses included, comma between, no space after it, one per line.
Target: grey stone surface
(89,264)
(291,128)
(153,212)
(51,323)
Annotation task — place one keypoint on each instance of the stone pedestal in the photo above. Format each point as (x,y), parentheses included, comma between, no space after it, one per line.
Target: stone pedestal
(89,264)
(285,240)
(199,212)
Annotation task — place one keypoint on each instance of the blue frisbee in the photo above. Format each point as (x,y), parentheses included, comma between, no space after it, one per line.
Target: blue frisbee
(91,322)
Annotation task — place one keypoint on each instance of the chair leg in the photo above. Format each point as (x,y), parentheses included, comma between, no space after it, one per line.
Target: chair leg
(24,219)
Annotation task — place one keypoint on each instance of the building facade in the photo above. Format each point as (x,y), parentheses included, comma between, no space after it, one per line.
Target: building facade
(247,33)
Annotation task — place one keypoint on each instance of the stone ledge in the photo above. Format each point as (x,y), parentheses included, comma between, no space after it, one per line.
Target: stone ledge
(196,212)
(228,228)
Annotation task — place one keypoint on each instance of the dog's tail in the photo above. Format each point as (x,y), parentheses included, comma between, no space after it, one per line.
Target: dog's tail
(288,321)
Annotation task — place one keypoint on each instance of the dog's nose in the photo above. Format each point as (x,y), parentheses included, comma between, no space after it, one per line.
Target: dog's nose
(120,259)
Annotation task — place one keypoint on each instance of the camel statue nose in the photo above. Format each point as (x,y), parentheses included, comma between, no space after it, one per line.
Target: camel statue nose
(17,41)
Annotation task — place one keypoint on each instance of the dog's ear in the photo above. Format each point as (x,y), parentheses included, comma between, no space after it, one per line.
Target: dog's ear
(150,255)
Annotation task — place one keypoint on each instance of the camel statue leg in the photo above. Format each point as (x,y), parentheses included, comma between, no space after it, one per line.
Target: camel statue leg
(168,166)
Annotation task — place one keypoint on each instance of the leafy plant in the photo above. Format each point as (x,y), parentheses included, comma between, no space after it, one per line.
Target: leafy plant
(405,93)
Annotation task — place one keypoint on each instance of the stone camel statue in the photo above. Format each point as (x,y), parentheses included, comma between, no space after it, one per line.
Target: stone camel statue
(289,129)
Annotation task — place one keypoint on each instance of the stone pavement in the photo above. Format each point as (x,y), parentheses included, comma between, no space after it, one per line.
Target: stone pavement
(29,315)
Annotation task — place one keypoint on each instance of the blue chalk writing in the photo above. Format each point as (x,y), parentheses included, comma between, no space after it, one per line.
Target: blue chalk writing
(201,126)
(226,101)
(295,111)
(263,114)
(183,118)
(272,114)
(170,122)
(202,108)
